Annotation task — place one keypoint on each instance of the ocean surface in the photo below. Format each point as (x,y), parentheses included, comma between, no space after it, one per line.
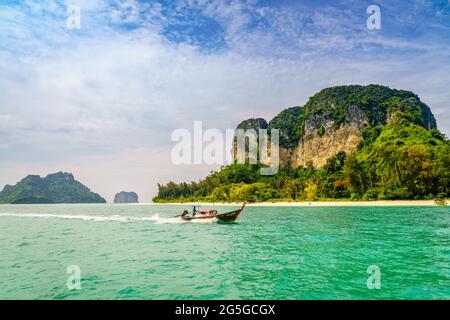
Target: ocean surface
(141,252)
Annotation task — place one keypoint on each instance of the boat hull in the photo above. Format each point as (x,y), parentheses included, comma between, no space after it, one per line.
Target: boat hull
(224,217)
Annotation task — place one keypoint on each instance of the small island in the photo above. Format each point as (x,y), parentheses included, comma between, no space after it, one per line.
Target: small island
(126,197)
(60,187)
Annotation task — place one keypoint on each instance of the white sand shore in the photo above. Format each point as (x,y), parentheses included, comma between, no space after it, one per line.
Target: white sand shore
(392,203)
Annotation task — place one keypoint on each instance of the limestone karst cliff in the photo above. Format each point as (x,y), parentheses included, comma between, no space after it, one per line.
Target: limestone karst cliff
(336,119)
(126,197)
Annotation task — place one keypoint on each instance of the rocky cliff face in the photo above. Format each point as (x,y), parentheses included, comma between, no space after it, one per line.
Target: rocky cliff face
(322,140)
(335,119)
(126,197)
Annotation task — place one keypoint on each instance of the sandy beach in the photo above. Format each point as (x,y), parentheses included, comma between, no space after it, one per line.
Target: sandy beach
(392,203)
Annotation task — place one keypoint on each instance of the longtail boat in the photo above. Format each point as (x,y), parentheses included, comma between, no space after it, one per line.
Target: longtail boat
(226,216)
(440,202)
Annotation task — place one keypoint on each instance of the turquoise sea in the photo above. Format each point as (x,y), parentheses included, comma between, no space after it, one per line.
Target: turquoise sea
(140,252)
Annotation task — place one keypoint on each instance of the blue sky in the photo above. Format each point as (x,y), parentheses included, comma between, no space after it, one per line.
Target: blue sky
(102,101)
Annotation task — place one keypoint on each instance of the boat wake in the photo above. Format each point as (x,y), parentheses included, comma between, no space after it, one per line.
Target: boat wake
(115,218)
(162,220)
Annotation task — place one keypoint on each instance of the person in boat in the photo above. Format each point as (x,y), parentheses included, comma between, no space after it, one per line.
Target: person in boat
(185,213)
(194,211)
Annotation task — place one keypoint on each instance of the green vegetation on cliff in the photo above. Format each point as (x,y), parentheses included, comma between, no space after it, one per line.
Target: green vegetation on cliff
(401,155)
(55,188)
(373,100)
(290,124)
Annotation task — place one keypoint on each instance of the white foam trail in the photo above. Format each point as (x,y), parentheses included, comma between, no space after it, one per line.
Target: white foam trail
(117,218)
(67,216)
(160,220)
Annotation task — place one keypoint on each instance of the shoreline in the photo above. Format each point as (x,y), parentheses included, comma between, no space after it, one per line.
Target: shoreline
(381,203)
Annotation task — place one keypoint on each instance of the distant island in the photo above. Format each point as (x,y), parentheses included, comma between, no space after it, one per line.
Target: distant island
(60,187)
(347,142)
(126,197)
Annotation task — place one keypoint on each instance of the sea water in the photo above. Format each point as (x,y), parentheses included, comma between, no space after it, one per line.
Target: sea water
(142,252)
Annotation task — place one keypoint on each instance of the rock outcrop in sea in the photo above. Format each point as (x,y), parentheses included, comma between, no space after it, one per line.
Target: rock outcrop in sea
(126,197)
